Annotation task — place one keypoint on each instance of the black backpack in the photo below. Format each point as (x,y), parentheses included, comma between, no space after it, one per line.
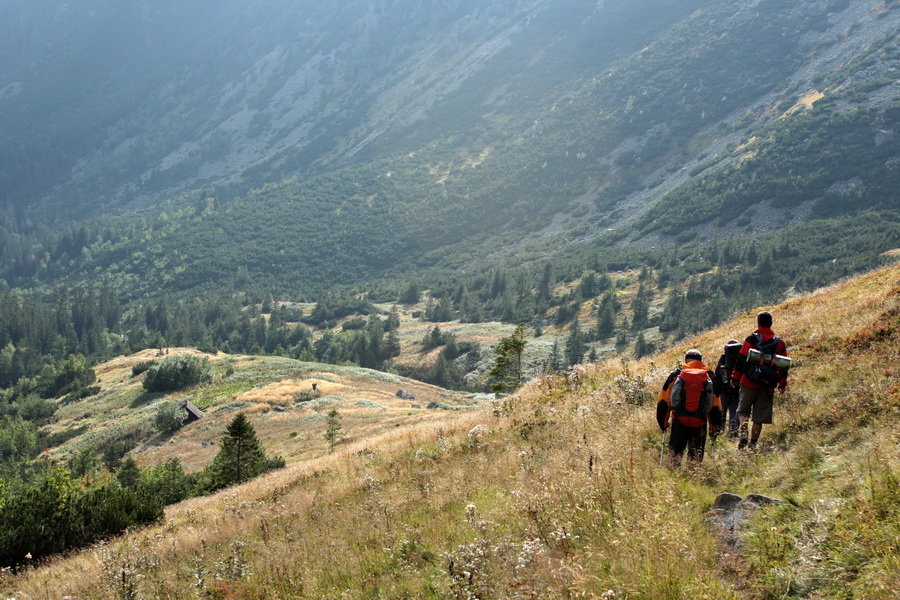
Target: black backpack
(726,366)
(763,374)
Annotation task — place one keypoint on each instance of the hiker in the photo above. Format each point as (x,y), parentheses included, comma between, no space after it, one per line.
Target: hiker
(757,382)
(690,397)
(727,394)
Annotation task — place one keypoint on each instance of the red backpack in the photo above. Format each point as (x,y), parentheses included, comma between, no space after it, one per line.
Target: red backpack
(692,397)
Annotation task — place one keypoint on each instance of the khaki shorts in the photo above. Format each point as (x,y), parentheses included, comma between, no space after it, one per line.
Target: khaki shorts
(759,400)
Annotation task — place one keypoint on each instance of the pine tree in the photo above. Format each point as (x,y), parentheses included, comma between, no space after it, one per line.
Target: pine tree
(506,374)
(410,295)
(575,346)
(241,457)
(128,474)
(640,307)
(545,285)
(554,363)
(641,347)
(332,429)
(393,321)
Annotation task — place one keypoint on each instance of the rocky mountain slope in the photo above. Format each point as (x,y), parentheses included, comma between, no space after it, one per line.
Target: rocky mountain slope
(289,148)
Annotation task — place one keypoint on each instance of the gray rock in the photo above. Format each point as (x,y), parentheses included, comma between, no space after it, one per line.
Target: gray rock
(727,501)
(729,515)
(884,136)
(405,395)
(760,500)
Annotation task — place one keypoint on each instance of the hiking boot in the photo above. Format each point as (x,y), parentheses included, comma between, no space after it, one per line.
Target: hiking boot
(745,434)
(752,445)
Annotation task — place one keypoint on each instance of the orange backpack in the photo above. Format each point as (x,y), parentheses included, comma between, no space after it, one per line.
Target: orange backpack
(692,397)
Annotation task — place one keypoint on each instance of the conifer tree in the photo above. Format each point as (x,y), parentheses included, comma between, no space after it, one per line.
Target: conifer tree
(332,429)
(410,295)
(507,373)
(241,457)
(554,363)
(575,344)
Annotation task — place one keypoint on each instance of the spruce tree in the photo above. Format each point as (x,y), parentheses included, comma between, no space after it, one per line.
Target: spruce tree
(241,457)
(575,345)
(332,429)
(507,373)
(554,362)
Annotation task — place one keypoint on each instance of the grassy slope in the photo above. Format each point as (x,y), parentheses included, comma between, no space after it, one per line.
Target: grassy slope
(262,387)
(557,493)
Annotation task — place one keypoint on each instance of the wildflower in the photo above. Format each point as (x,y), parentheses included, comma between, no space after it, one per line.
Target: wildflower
(471,512)
(530,549)
(477,432)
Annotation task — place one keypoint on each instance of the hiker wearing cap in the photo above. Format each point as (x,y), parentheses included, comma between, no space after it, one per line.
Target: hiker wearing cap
(690,400)
(727,394)
(757,380)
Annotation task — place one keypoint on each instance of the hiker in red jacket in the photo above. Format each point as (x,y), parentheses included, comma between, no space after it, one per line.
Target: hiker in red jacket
(690,397)
(758,381)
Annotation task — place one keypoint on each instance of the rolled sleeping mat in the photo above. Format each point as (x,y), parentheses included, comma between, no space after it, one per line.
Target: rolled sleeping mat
(755,357)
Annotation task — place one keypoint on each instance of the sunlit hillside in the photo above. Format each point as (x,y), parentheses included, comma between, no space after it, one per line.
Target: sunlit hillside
(557,492)
(275,393)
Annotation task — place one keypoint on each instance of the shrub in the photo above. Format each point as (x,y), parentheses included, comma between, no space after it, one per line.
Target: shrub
(306,396)
(52,514)
(177,372)
(80,394)
(36,409)
(167,481)
(354,324)
(141,367)
(170,417)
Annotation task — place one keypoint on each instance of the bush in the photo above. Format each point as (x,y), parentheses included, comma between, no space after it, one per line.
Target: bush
(53,514)
(36,409)
(80,394)
(306,396)
(142,367)
(177,372)
(168,481)
(170,417)
(353,324)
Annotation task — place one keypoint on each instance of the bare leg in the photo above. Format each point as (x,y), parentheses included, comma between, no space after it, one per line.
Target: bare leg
(742,443)
(754,433)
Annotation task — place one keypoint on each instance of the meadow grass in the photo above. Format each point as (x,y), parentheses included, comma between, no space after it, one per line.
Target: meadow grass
(557,492)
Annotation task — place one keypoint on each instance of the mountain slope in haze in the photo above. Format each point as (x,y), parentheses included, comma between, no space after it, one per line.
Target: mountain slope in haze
(131,103)
(452,137)
(558,492)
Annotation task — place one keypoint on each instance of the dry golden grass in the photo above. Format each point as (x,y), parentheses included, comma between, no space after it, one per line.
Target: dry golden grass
(263,388)
(556,492)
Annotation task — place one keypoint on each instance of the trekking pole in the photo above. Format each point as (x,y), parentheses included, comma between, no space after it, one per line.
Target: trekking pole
(662,450)
(712,452)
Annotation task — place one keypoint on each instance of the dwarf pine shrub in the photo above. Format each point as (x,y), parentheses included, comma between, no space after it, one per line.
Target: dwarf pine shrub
(177,372)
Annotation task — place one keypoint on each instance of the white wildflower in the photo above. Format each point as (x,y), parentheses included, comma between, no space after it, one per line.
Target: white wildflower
(530,549)
(471,513)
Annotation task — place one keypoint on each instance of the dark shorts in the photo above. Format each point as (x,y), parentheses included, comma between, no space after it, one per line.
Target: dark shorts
(757,400)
